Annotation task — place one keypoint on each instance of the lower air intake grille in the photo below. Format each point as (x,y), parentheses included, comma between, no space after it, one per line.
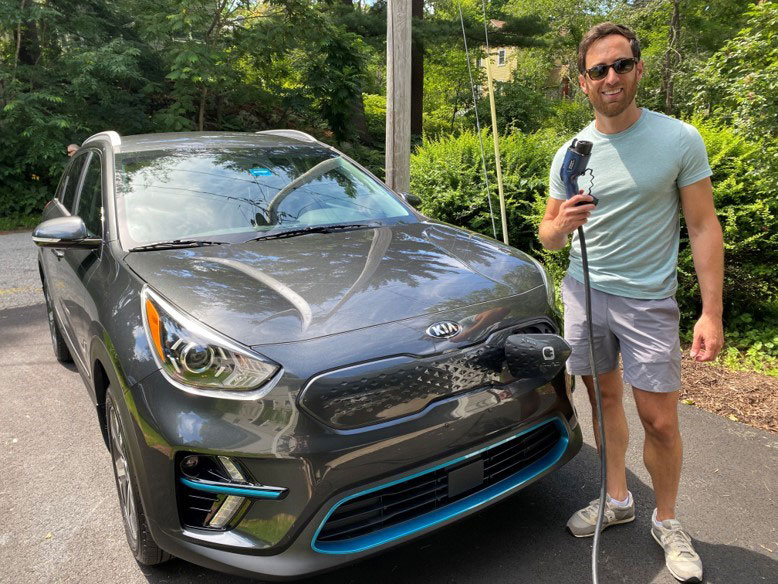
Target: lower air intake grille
(429,492)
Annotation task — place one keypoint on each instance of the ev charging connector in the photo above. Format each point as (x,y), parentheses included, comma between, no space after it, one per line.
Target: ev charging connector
(574,165)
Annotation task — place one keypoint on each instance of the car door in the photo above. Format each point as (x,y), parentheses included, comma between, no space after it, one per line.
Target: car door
(78,265)
(51,258)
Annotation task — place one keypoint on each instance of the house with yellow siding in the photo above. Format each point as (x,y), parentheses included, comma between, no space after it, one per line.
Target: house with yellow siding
(503,59)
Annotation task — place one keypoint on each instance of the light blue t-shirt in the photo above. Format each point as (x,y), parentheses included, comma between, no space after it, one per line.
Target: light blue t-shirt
(632,235)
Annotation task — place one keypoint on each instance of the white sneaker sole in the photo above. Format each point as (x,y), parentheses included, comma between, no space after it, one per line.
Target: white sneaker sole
(693,579)
(604,527)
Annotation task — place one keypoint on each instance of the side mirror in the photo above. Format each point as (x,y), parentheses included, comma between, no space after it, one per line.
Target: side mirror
(413,200)
(64,232)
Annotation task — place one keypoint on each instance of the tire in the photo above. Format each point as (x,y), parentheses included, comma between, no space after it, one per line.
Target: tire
(136,528)
(61,351)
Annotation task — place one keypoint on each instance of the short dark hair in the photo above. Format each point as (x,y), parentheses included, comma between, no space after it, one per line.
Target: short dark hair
(602,30)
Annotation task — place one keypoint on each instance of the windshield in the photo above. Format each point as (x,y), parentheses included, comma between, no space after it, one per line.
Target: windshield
(239,194)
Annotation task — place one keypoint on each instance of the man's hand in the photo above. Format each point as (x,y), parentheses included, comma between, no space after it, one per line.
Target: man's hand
(708,338)
(562,218)
(570,216)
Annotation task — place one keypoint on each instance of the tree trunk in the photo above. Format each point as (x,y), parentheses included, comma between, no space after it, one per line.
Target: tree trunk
(201,116)
(672,57)
(219,110)
(417,74)
(358,119)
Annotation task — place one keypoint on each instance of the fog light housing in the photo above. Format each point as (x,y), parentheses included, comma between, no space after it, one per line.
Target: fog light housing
(209,509)
(214,492)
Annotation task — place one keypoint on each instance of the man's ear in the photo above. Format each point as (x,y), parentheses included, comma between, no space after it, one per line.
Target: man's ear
(640,69)
(582,83)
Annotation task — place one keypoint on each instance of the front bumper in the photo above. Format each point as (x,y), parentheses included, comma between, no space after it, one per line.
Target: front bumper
(323,468)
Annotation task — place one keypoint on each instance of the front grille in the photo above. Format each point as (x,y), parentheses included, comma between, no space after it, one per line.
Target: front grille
(412,498)
(391,388)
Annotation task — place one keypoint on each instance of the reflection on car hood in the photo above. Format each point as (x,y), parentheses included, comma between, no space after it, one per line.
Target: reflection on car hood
(321,284)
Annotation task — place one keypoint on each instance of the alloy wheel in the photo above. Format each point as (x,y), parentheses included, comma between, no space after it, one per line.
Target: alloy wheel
(123,480)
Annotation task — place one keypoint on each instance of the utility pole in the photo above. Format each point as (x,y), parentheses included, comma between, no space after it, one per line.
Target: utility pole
(417,73)
(398,95)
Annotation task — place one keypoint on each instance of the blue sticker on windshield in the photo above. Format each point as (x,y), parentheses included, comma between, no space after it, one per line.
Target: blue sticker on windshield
(260,172)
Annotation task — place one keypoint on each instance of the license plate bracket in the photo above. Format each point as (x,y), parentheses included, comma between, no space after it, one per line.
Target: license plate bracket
(465,478)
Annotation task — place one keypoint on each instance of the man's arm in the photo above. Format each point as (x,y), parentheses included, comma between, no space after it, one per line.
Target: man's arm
(561,219)
(708,253)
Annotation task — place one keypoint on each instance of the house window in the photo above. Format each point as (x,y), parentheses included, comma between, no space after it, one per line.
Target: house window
(501,57)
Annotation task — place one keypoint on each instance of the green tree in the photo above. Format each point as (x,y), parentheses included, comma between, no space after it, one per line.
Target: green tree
(674,45)
(739,83)
(68,68)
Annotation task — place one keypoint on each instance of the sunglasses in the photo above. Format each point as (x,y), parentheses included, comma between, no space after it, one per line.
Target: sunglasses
(621,66)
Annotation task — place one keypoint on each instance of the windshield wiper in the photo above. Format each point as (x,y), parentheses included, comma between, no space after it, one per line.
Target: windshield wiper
(176,244)
(315,229)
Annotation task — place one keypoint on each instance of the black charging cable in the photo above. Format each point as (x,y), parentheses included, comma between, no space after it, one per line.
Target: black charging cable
(598,405)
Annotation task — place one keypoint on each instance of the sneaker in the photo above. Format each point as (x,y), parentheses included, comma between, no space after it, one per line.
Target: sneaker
(680,557)
(583,522)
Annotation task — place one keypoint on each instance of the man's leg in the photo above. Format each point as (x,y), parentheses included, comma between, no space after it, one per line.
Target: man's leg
(662,449)
(616,431)
(619,506)
(662,454)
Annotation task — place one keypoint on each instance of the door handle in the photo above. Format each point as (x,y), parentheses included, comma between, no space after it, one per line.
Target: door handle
(59,253)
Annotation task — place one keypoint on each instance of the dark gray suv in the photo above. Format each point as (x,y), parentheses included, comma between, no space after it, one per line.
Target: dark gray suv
(291,367)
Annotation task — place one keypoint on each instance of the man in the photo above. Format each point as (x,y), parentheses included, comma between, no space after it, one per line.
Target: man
(645,166)
(72,149)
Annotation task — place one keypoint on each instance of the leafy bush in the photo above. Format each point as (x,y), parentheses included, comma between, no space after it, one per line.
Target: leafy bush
(745,192)
(570,116)
(375,114)
(521,108)
(447,174)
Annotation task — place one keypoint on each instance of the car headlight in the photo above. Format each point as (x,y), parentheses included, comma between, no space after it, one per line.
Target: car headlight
(200,360)
(547,282)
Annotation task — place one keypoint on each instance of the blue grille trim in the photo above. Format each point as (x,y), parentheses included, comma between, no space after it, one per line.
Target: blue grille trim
(251,492)
(394,532)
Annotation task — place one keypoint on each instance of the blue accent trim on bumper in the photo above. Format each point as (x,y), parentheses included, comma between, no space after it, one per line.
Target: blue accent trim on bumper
(250,492)
(432,518)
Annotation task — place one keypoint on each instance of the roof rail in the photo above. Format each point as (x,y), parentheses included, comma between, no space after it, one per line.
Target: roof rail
(112,136)
(296,134)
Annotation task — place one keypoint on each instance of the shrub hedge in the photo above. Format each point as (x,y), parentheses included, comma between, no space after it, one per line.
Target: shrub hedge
(447,174)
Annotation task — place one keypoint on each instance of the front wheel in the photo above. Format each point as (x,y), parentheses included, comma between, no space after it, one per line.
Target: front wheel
(143,546)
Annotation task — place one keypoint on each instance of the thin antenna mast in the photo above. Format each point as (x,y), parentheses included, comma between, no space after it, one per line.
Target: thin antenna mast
(477,122)
(495,133)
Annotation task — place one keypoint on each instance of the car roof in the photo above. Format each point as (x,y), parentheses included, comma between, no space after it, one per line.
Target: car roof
(202,140)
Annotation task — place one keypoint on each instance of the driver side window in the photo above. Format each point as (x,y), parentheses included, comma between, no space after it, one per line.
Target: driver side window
(90,201)
(68,194)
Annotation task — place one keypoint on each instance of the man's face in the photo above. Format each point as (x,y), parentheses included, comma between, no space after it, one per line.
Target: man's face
(614,93)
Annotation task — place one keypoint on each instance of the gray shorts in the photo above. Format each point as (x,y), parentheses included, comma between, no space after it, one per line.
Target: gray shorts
(644,331)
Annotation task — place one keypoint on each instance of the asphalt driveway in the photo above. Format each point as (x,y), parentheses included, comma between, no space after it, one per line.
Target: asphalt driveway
(60,522)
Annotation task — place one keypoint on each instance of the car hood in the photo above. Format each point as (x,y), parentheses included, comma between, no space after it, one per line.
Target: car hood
(293,289)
